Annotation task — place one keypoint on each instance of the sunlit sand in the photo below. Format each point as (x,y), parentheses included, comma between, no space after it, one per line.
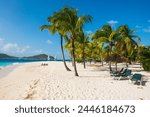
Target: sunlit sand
(34,81)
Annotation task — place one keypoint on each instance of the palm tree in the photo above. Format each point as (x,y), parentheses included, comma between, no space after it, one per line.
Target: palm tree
(83,43)
(108,36)
(128,42)
(100,47)
(91,51)
(145,58)
(53,28)
(73,24)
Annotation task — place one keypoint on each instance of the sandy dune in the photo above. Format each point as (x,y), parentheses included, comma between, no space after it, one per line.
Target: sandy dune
(33,81)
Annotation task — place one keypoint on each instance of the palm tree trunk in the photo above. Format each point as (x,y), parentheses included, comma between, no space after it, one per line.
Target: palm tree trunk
(126,64)
(110,47)
(90,56)
(126,58)
(110,66)
(102,63)
(116,65)
(63,56)
(101,59)
(73,57)
(95,61)
(83,58)
(90,61)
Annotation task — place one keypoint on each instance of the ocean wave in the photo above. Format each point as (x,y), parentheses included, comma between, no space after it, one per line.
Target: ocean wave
(15,63)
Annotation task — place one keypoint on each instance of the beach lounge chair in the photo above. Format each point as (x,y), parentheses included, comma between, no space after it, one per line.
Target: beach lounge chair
(125,74)
(116,72)
(120,73)
(44,64)
(136,77)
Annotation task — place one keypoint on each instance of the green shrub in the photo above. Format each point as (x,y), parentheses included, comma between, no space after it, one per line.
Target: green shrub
(145,58)
(146,64)
(79,60)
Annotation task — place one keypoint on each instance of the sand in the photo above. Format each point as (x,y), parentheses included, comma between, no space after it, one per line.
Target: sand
(31,81)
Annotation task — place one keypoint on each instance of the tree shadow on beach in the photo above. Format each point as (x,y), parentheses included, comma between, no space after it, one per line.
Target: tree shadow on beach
(98,70)
(90,76)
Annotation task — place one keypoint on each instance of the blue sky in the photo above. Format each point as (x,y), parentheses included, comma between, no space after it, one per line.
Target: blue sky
(20,21)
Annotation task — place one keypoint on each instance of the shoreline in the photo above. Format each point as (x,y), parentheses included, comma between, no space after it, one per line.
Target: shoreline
(4,71)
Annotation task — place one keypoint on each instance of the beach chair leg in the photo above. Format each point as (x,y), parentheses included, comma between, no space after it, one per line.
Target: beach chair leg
(117,78)
(140,82)
(130,81)
(114,78)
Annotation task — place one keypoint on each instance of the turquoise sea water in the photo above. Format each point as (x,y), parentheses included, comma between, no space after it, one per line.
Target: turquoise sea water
(6,62)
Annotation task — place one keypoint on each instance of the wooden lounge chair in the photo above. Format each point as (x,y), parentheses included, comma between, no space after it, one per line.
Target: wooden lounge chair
(136,77)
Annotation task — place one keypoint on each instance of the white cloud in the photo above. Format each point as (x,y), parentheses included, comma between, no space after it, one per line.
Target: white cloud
(138,26)
(23,49)
(12,47)
(147,30)
(1,41)
(88,32)
(38,51)
(112,22)
(49,42)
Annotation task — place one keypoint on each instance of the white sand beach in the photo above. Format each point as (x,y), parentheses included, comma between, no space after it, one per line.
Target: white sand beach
(33,81)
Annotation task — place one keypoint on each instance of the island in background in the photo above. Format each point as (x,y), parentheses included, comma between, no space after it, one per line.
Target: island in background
(35,57)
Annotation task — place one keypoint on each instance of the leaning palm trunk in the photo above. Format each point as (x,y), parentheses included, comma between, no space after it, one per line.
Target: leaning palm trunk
(63,57)
(73,57)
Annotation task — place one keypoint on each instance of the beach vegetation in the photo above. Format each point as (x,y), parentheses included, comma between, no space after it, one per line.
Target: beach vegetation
(107,44)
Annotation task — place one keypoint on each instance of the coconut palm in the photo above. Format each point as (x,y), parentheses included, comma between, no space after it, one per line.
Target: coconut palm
(101,52)
(83,41)
(128,42)
(99,46)
(73,24)
(145,58)
(53,28)
(91,51)
(108,36)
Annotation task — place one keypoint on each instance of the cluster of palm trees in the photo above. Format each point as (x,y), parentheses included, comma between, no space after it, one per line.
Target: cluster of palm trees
(105,44)
(144,57)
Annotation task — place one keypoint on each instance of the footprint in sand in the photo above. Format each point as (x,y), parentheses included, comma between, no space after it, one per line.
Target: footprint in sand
(32,90)
(141,98)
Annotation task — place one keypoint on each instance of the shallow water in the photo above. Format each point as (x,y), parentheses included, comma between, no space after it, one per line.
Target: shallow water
(6,62)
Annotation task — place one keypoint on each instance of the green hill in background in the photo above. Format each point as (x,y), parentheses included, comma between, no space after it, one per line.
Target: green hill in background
(35,57)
